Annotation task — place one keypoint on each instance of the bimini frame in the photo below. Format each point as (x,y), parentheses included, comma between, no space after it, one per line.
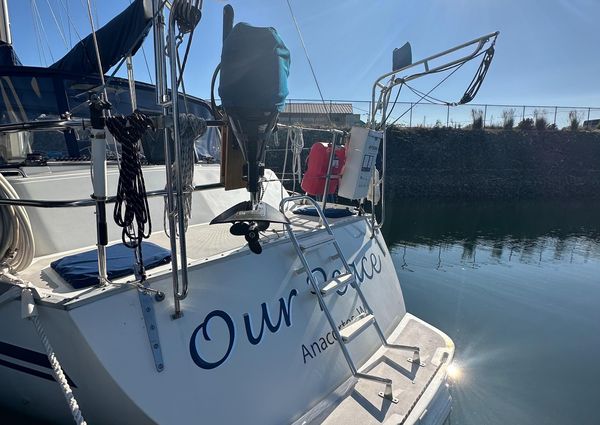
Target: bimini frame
(381,102)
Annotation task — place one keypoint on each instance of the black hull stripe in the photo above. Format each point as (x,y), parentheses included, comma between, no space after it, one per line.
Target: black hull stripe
(24,354)
(27,370)
(29,356)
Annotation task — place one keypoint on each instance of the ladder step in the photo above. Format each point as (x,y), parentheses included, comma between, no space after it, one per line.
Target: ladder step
(351,331)
(316,241)
(336,283)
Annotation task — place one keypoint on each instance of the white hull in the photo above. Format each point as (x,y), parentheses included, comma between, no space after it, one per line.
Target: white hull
(268,355)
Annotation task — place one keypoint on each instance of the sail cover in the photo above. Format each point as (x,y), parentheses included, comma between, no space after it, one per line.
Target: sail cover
(122,34)
(255,65)
(8,57)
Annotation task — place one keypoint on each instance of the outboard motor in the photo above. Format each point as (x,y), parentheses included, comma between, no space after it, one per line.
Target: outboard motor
(253,87)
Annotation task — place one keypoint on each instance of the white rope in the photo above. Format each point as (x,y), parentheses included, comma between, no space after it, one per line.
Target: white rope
(296,137)
(191,127)
(17,245)
(32,314)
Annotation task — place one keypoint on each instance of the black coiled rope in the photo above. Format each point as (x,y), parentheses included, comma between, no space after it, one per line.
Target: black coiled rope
(187,14)
(131,208)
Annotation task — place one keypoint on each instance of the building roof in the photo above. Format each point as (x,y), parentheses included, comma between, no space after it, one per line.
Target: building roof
(318,108)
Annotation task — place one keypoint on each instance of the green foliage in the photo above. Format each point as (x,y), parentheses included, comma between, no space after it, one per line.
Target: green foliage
(526,124)
(477,115)
(508,118)
(574,120)
(541,123)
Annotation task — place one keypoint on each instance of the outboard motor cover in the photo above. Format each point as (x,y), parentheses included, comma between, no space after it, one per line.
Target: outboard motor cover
(255,64)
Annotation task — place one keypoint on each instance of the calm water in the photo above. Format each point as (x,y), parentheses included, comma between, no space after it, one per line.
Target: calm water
(517,287)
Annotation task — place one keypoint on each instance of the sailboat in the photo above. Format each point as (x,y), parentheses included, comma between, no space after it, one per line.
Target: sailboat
(215,296)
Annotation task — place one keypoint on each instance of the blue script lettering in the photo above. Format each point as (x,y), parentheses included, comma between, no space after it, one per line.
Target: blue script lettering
(285,312)
(200,362)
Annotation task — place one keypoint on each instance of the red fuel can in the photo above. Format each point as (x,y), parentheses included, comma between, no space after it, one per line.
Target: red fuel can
(313,182)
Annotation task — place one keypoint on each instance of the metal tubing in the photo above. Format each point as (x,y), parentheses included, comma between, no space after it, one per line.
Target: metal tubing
(5,32)
(328,176)
(131,80)
(312,279)
(87,202)
(161,99)
(159,52)
(177,148)
(99,185)
(382,178)
(481,42)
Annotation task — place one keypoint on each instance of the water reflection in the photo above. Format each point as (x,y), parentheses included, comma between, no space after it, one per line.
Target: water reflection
(528,232)
(516,287)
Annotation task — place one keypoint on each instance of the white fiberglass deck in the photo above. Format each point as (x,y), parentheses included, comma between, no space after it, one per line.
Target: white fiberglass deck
(204,242)
(357,402)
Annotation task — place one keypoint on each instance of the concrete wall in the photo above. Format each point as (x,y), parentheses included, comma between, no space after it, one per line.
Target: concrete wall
(494,164)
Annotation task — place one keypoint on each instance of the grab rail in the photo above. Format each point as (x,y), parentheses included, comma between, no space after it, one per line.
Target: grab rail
(89,202)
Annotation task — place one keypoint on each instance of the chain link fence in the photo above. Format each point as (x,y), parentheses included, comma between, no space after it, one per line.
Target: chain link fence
(428,115)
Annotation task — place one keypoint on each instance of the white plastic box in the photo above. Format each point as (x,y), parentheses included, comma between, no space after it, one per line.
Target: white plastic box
(360,162)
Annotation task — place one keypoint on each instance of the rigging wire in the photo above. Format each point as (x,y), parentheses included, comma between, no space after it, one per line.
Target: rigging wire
(394,104)
(43,29)
(471,90)
(147,66)
(38,40)
(71,24)
(96,48)
(60,31)
(144,54)
(312,70)
(428,93)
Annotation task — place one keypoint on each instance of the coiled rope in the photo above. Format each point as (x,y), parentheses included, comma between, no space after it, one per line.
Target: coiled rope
(190,128)
(17,245)
(187,14)
(131,208)
(295,137)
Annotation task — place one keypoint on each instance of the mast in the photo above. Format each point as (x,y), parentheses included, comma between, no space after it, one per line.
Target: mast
(5,34)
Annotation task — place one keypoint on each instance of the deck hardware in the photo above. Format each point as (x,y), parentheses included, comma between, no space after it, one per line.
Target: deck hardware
(365,320)
(147,305)
(387,394)
(416,358)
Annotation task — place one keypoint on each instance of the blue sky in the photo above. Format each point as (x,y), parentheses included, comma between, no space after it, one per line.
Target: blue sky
(547,52)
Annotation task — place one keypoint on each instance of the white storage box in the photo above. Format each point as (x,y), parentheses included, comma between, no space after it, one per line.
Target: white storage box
(360,162)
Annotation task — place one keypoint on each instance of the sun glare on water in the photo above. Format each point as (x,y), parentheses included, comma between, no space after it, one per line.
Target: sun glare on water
(454,372)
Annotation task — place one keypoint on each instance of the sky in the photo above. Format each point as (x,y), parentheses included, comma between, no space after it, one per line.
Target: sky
(546,54)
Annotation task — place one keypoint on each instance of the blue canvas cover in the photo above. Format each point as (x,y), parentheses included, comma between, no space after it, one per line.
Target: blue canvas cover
(255,64)
(328,212)
(8,56)
(81,270)
(123,33)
